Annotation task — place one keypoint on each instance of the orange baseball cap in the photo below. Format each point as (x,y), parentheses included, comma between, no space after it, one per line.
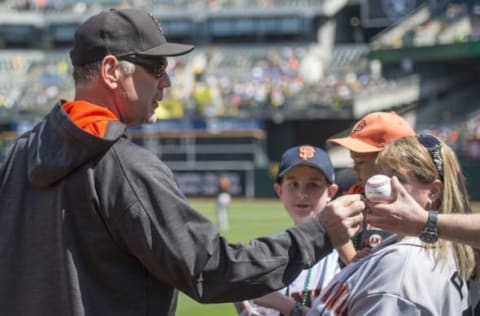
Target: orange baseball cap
(373,131)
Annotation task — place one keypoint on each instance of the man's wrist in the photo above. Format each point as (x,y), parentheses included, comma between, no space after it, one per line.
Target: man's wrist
(423,223)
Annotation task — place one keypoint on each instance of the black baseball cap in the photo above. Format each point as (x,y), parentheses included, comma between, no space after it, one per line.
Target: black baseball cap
(308,156)
(122,32)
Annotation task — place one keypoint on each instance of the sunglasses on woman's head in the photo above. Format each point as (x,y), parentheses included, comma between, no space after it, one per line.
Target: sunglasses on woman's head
(434,147)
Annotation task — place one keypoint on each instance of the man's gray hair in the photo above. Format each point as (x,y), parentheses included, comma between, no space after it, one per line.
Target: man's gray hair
(88,72)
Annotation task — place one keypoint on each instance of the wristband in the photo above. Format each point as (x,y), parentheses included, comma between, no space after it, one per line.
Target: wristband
(429,234)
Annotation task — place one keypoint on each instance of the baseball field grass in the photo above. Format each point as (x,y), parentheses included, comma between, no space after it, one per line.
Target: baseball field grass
(248,219)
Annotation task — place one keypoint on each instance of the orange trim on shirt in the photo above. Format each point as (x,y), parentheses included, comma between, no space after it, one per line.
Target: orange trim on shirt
(90,117)
(357,188)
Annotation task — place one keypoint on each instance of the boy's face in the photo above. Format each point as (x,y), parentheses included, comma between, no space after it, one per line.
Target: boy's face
(364,165)
(304,191)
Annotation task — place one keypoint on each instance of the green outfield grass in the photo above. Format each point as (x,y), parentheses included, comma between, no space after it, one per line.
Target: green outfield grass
(248,219)
(476,207)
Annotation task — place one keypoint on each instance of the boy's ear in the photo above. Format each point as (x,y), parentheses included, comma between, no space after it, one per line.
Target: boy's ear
(278,189)
(332,190)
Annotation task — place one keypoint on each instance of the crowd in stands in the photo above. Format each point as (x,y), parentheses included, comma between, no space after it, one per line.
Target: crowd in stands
(208,83)
(459,21)
(463,137)
(211,82)
(259,81)
(84,5)
(30,82)
(462,133)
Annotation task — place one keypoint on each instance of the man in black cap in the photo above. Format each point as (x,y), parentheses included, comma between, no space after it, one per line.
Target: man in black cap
(91,224)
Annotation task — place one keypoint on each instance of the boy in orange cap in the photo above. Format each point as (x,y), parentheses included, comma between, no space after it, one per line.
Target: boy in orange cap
(367,138)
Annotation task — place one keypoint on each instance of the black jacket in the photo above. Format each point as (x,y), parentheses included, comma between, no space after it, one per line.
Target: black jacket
(98,226)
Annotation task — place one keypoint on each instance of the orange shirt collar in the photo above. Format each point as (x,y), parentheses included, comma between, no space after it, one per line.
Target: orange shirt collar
(90,117)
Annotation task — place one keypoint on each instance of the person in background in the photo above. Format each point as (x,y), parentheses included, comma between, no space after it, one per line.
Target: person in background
(222,202)
(412,275)
(367,137)
(305,183)
(92,224)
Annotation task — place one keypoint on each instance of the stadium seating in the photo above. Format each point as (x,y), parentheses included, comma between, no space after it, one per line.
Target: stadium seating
(220,81)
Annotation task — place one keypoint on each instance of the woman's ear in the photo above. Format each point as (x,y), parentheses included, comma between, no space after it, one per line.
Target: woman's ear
(436,192)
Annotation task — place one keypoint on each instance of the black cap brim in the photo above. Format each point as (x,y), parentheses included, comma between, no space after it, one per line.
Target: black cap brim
(167,49)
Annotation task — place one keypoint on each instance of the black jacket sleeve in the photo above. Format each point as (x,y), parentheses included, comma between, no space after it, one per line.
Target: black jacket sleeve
(180,247)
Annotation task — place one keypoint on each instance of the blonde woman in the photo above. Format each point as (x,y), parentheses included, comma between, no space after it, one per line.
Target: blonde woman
(411,275)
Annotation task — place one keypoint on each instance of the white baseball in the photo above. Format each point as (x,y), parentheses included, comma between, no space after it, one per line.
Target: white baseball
(378,188)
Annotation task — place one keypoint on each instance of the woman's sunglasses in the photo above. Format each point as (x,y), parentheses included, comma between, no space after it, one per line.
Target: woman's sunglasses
(434,147)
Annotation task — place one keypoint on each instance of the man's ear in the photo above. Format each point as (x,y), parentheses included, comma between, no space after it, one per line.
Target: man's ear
(277,187)
(109,71)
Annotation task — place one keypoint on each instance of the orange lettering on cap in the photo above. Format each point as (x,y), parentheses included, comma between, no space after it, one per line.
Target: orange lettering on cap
(359,126)
(306,152)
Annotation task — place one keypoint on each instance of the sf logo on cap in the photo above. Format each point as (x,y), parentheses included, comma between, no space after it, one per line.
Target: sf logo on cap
(306,152)
(360,125)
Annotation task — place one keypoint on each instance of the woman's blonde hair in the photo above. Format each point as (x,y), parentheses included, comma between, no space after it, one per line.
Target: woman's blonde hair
(408,156)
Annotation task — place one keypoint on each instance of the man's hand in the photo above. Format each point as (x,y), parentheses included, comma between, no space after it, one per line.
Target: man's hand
(403,215)
(342,218)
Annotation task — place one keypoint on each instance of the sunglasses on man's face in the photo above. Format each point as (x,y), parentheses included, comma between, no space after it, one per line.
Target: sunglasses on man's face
(156,68)
(434,147)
